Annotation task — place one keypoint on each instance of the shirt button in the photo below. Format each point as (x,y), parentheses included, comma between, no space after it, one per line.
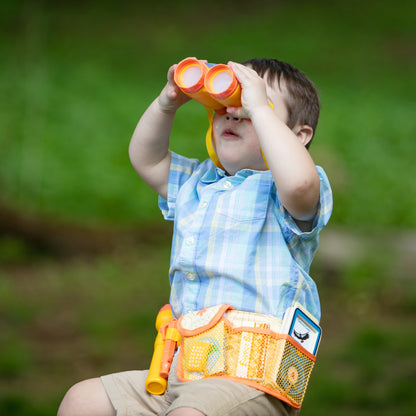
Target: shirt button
(190,276)
(204,204)
(227,185)
(190,241)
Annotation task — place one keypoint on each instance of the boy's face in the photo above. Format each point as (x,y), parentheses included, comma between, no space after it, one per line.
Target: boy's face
(235,140)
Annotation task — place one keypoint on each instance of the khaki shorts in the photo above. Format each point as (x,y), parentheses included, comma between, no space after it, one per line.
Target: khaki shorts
(213,397)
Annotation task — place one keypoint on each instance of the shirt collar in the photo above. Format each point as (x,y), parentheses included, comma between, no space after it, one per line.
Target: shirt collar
(215,174)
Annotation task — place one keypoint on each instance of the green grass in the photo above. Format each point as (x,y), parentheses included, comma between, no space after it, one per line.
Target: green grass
(67,319)
(370,375)
(63,321)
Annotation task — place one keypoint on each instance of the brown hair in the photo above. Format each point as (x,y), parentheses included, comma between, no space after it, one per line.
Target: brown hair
(302,100)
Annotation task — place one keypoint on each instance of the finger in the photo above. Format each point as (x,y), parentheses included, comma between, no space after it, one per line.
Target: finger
(171,73)
(237,112)
(243,72)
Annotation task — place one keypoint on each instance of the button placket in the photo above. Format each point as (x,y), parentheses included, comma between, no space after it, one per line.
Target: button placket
(190,241)
(227,185)
(190,276)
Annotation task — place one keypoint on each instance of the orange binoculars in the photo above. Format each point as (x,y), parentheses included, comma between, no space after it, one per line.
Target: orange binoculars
(213,85)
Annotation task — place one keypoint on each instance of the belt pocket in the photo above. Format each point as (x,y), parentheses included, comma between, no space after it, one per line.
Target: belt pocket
(248,352)
(203,347)
(291,375)
(252,354)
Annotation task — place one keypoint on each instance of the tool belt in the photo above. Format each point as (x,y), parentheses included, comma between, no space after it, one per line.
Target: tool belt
(245,347)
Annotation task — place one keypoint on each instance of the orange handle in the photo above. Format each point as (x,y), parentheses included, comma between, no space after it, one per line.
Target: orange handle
(172,340)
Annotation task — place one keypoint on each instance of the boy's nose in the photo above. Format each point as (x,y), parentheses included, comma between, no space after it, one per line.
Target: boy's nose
(229,117)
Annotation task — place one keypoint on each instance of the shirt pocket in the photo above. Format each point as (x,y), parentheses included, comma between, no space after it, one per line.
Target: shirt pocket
(242,205)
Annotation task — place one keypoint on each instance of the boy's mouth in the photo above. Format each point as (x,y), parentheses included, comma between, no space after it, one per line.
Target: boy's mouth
(230,133)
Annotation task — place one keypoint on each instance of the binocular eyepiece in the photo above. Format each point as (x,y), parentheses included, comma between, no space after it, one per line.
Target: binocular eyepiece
(213,85)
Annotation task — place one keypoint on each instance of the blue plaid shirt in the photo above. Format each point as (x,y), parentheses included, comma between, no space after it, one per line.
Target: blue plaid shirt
(234,242)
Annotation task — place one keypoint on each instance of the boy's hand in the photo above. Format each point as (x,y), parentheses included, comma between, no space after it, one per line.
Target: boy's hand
(171,97)
(253,91)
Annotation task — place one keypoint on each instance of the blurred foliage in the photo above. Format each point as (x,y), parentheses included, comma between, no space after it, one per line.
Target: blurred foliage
(63,320)
(370,375)
(76,76)
(68,319)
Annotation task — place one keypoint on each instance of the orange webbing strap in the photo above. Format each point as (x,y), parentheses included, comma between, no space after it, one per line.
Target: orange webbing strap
(172,339)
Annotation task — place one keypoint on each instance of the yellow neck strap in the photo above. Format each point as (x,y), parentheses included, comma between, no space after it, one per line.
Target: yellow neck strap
(208,140)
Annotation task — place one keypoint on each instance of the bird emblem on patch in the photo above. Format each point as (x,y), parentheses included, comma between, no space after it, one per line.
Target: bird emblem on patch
(300,336)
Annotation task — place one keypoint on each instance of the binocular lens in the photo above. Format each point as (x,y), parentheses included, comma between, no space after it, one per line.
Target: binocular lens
(221,81)
(191,75)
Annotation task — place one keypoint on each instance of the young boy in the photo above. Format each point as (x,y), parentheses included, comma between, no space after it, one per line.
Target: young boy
(244,234)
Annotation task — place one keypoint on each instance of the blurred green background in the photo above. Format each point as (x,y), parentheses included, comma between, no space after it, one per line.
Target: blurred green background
(84,251)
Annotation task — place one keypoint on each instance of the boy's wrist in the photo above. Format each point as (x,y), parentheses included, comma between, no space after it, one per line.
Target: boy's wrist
(171,99)
(166,106)
(261,111)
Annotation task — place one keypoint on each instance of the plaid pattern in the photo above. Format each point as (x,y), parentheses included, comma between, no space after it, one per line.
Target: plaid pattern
(234,243)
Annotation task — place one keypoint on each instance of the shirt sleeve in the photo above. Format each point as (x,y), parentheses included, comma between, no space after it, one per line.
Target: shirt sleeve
(181,169)
(303,244)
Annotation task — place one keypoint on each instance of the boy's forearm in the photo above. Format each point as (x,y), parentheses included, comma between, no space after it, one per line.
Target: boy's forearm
(292,167)
(149,147)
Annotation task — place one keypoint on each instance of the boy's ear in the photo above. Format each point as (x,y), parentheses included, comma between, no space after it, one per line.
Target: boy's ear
(304,133)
